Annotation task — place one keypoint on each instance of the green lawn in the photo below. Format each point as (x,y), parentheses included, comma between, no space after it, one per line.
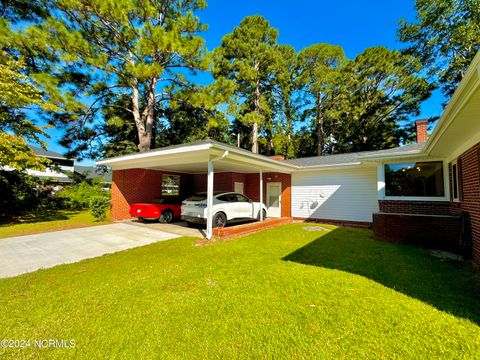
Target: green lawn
(48,220)
(281,293)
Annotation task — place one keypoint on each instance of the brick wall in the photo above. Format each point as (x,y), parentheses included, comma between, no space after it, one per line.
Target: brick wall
(403,229)
(469,192)
(252,189)
(221,181)
(140,185)
(434,232)
(415,207)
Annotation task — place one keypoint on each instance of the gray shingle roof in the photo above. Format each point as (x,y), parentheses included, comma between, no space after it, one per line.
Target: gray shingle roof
(352,157)
(47,153)
(92,172)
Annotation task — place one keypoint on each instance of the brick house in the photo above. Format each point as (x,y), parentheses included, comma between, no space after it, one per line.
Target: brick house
(425,193)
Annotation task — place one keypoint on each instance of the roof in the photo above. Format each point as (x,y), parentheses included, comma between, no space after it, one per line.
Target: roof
(47,153)
(356,157)
(194,156)
(93,172)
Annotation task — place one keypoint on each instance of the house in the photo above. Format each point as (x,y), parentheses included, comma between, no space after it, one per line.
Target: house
(57,170)
(61,167)
(93,172)
(427,193)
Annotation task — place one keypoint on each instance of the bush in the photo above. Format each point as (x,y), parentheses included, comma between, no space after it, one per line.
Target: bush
(78,196)
(19,193)
(99,206)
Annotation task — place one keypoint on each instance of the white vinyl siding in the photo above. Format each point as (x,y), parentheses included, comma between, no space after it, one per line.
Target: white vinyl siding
(349,194)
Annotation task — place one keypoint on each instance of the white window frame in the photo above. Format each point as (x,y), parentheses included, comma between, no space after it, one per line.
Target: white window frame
(179,184)
(381,185)
(455,181)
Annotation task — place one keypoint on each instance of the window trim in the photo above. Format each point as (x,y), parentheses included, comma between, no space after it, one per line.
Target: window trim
(381,184)
(455,181)
(179,185)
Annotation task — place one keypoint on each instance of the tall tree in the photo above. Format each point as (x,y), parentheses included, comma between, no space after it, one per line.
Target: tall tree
(287,103)
(445,36)
(142,49)
(379,91)
(248,56)
(319,76)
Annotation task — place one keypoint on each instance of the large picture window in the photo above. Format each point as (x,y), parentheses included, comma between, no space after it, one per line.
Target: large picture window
(170,185)
(415,179)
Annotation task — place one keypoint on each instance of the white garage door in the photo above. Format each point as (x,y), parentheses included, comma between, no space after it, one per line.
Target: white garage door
(349,194)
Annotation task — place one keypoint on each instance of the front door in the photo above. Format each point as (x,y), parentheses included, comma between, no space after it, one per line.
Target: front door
(274,199)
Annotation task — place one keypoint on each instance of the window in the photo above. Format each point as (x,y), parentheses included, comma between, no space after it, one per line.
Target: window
(455,192)
(170,185)
(420,179)
(242,198)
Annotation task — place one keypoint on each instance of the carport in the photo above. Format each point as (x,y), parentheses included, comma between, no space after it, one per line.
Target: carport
(138,173)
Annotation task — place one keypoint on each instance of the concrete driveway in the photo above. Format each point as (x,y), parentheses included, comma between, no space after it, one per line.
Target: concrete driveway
(28,253)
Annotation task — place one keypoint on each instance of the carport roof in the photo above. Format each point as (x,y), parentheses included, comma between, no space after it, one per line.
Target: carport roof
(193,158)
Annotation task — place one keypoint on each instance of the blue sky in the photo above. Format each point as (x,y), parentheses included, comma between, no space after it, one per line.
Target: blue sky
(352,24)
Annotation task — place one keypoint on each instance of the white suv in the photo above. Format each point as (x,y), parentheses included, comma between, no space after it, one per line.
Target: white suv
(227,207)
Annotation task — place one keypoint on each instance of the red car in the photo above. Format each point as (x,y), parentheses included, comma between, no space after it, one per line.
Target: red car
(162,209)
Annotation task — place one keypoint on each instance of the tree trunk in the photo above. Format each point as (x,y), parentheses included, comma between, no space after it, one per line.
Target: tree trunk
(256,105)
(144,121)
(255,138)
(320,127)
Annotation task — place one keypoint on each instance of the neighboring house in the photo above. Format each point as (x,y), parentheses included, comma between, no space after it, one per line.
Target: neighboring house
(427,193)
(93,172)
(55,171)
(61,167)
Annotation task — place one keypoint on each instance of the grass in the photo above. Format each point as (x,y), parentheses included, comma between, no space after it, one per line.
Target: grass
(48,220)
(282,293)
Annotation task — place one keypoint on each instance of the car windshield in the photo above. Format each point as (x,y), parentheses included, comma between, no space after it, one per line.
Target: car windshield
(158,201)
(201,196)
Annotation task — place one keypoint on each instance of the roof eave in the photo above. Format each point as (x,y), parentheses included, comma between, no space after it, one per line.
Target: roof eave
(468,85)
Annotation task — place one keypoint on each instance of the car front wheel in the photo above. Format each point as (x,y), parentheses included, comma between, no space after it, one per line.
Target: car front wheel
(219,220)
(167,217)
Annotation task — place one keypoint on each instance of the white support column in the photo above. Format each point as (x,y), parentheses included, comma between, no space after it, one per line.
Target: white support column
(210,200)
(381,181)
(261,194)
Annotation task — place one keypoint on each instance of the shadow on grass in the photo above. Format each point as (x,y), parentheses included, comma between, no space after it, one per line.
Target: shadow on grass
(39,216)
(450,286)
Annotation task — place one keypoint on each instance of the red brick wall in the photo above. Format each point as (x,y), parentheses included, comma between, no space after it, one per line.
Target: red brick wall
(226,181)
(415,207)
(139,185)
(435,232)
(221,181)
(252,189)
(469,191)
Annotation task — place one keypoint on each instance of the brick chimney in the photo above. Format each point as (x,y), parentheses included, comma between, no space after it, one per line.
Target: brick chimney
(422,130)
(277,157)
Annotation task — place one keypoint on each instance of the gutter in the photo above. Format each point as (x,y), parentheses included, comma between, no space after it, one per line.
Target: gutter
(461,95)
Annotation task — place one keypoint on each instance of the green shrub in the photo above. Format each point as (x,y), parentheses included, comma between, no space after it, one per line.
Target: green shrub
(99,206)
(78,196)
(19,193)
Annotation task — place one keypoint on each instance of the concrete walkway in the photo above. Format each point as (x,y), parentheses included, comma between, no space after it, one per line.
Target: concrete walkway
(28,253)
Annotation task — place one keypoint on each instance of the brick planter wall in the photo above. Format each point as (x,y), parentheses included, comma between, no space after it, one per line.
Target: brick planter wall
(415,207)
(431,231)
